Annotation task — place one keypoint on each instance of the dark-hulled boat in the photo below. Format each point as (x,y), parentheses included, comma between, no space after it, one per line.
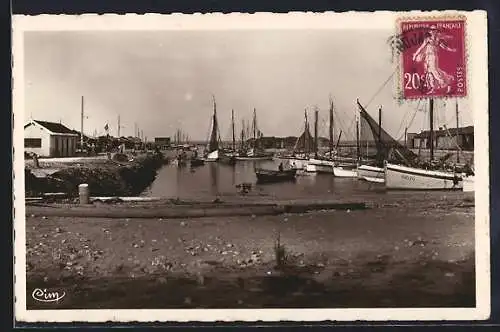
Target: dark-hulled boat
(272,176)
(196,162)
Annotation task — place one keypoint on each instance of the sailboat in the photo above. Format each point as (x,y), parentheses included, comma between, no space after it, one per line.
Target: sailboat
(372,171)
(255,152)
(301,151)
(212,151)
(317,164)
(347,168)
(229,157)
(414,178)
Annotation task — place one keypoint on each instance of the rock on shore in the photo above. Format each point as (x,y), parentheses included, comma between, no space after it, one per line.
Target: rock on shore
(105,179)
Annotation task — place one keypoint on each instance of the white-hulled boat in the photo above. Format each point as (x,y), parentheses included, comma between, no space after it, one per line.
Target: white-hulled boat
(212,156)
(320,166)
(411,178)
(468,183)
(212,152)
(345,172)
(371,173)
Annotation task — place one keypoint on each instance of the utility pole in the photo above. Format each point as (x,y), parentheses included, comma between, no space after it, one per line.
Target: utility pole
(81,128)
(119,126)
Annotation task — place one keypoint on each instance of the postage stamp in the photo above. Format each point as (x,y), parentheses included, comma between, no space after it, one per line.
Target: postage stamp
(433,57)
(251,167)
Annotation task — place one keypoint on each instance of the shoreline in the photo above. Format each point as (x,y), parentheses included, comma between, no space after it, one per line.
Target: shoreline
(423,256)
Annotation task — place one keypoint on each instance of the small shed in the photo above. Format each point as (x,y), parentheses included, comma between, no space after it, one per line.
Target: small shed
(49,139)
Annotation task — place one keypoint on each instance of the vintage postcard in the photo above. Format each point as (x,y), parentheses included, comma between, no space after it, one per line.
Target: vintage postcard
(251,167)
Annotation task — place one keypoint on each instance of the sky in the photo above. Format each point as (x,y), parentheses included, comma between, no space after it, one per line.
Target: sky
(162,81)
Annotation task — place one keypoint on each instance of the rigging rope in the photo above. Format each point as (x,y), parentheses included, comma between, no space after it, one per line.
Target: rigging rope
(380,89)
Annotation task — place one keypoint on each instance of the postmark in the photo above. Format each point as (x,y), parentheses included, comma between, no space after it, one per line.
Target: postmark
(432,57)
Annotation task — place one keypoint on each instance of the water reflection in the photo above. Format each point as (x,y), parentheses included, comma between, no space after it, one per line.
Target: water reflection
(215,179)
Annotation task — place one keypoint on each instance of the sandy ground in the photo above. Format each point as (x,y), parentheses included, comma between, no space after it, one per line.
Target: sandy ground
(390,256)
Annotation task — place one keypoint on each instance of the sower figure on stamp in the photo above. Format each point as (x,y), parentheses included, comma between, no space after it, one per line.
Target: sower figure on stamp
(427,53)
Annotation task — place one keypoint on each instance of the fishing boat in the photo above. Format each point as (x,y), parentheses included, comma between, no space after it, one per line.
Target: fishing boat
(255,152)
(212,153)
(196,162)
(301,151)
(228,156)
(273,176)
(317,164)
(468,185)
(415,178)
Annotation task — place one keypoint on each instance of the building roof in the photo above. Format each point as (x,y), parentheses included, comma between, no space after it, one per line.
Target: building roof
(53,127)
(444,132)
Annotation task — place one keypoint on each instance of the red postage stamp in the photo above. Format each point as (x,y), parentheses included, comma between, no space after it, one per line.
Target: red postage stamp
(432,58)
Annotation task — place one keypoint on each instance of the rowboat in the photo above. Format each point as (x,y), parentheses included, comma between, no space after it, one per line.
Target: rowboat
(195,162)
(272,176)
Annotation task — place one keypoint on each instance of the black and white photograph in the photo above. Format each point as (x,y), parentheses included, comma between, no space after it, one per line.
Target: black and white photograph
(310,167)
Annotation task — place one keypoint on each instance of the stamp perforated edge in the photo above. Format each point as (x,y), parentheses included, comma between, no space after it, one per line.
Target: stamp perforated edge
(399,94)
(204,315)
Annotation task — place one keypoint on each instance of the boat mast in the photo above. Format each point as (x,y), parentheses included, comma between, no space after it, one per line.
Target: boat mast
(331,127)
(379,153)
(457,133)
(214,144)
(431,127)
(316,133)
(232,125)
(254,128)
(306,134)
(242,135)
(357,139)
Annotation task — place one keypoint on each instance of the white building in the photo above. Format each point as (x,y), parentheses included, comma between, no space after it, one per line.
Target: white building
(49,139)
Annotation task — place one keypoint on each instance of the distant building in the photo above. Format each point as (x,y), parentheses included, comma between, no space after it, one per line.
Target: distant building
(445,139)
(49,139)
(162,143)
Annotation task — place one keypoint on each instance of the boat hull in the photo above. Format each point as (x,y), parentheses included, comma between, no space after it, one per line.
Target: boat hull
(295,163)
(266,176)
(468,185)
(320,166)
(371,173)
(410,178)
(228,160)
(197,162)
(213,156)
(254,158)
(342,172)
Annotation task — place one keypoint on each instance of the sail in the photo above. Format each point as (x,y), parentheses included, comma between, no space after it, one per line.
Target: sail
(387,148)
(213,143)
(305,142)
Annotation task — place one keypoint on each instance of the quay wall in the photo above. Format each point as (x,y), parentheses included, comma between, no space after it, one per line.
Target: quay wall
(125,178)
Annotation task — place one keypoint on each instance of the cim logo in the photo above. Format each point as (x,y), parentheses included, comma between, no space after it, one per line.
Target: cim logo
(42,295)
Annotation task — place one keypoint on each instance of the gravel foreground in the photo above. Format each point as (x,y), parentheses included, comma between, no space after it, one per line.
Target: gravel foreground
(390,256)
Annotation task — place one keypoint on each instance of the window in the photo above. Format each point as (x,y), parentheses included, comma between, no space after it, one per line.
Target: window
(32,142)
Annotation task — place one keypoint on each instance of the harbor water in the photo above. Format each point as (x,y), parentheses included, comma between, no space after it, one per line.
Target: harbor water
(219,180)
